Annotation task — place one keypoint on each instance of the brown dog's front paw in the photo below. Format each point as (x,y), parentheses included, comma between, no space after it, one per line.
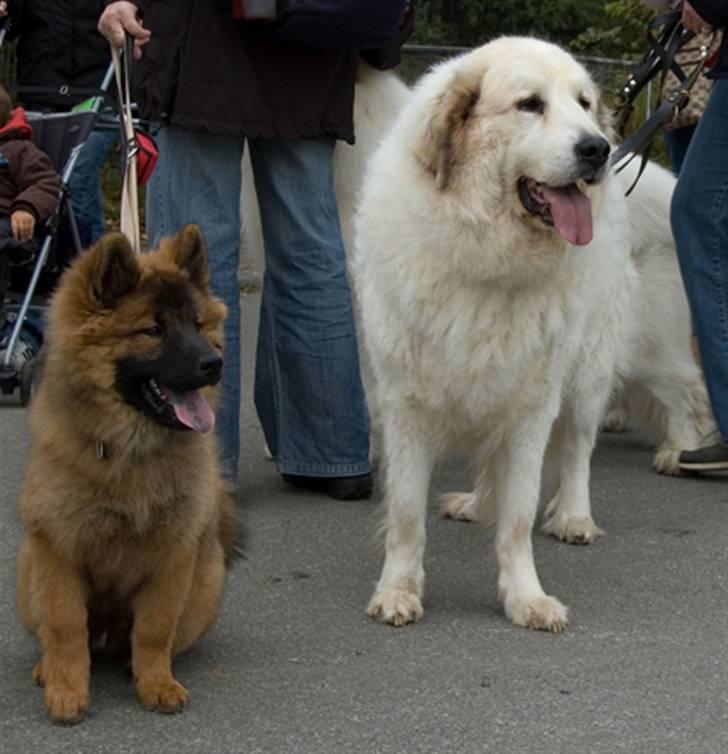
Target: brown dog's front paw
(162,695)
(66,704)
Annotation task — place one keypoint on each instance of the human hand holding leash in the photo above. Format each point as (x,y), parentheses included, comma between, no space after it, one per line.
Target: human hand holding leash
(120,18)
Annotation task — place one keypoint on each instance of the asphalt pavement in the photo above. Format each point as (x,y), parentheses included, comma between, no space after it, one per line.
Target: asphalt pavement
(295,665)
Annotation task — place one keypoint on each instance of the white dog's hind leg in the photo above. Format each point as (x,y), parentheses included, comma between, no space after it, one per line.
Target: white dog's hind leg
(478,506)
(688,419)
(517,467)
(615,418)
(460,506)
(568,514)
(398,596)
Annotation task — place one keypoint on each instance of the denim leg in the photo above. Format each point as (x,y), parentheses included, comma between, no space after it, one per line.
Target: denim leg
(677,142)
(85,186)
(700,224)
(308,389)
(197,180)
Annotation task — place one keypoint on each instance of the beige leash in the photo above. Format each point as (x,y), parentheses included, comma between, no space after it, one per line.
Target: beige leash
(129,193)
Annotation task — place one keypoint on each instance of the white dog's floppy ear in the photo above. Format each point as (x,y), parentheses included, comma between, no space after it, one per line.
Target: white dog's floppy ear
(440,143)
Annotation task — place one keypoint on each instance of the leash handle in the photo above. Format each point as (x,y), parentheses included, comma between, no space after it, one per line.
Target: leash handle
(130,225)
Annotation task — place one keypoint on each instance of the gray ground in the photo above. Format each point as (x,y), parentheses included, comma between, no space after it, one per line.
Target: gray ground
(296,666)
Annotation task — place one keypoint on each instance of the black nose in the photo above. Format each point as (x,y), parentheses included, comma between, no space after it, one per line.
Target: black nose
(592,150)
(211,367)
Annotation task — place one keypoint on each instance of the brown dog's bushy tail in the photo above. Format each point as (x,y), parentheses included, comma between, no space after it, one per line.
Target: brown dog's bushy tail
(232,533)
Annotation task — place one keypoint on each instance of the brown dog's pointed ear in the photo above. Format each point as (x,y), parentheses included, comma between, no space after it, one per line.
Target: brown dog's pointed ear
(114,269)
(441,141)
(188,251)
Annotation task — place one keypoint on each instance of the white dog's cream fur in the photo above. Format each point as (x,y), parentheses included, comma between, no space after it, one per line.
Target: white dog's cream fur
(663,392)
(485,329)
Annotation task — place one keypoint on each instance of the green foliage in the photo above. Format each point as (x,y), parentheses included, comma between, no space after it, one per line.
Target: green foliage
(622,36)
(594,27)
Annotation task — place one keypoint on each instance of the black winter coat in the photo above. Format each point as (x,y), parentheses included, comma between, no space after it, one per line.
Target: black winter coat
(203,71)
(58,45)
(715,12)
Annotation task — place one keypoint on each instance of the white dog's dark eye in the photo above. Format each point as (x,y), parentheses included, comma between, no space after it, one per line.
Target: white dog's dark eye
(532,104)
(584,102)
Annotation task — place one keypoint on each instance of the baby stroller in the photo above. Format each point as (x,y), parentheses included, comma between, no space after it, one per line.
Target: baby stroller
(61,136)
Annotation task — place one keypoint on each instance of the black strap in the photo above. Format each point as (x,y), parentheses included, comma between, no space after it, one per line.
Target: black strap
(659,59)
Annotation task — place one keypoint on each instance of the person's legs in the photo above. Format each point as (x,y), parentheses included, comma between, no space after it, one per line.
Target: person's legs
(308,389)
(85,186)
(677,142)
(197,180)
(700,224)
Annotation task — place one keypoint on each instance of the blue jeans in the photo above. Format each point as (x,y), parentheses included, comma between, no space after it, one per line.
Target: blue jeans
(700,224)
(308,390)
(85,185)
(677,142)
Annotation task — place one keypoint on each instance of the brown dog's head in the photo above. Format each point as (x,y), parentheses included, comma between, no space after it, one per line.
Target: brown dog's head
(139,337)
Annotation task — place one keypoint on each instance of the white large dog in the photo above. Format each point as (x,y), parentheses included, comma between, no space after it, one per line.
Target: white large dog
(498,283)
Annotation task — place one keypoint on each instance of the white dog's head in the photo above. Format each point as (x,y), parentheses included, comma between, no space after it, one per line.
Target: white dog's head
(517,125)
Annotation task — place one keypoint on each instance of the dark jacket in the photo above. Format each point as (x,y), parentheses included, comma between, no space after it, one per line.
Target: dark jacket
(27,178)
(204,71)
(58,45)
(715,12)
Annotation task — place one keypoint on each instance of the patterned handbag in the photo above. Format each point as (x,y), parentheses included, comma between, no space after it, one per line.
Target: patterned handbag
(687,58)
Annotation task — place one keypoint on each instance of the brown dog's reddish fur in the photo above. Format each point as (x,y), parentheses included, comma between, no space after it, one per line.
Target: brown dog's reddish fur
(131,546)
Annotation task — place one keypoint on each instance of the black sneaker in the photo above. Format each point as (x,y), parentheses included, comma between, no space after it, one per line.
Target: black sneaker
(709,458)
(341,488)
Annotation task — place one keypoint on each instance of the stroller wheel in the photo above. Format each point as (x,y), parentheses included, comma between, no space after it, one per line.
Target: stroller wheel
(27,381)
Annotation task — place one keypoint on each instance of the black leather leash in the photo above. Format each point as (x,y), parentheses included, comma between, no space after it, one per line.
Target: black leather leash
(666,36)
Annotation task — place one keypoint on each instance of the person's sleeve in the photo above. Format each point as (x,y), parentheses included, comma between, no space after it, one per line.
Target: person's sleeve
(389,55)
(38,183)
(715,12)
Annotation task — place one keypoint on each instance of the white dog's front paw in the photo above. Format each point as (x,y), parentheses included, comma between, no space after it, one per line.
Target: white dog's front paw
(543,613)
(576,530)
(460,506)
(667,461)
(396,606)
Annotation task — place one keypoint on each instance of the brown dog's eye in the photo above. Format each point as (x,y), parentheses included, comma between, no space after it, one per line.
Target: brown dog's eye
(532,104)
(154,331)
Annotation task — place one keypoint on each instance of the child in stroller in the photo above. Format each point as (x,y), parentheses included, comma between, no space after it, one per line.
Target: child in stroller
(29,194)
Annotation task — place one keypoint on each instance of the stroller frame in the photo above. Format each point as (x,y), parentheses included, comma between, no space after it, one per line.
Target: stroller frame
(85,120)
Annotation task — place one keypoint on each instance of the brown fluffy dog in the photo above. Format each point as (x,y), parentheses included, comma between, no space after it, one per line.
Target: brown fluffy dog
(128,523)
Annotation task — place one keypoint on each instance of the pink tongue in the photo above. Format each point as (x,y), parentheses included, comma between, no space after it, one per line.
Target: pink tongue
(191,409)
(571,211)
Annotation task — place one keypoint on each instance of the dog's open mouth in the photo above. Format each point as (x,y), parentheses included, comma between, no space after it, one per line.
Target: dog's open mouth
(567,208)
(180,409)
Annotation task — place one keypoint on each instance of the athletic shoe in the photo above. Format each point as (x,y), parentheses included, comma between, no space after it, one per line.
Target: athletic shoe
(709,458)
